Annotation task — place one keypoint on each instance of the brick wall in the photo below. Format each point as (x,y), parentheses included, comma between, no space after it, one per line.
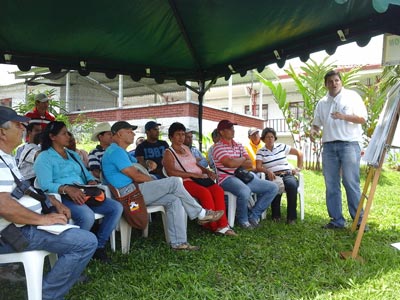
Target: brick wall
(186,109)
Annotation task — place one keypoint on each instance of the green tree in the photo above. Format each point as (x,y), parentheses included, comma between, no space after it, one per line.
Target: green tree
(81,127)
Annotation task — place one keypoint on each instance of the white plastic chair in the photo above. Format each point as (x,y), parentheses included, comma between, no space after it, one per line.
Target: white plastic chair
(126,229)
(33,262)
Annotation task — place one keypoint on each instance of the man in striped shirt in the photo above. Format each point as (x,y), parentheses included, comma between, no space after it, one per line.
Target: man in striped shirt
(102,133)
(228,156)
(21,213)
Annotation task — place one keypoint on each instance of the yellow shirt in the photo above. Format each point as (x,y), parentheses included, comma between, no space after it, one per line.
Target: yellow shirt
(252,149)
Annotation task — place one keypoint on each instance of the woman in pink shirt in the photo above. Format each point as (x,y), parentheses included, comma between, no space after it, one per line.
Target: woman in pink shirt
(179,161)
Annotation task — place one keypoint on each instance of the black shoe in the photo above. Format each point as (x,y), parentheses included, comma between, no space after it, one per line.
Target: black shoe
(365,229)
(291,222)
(331,226)
(101,255)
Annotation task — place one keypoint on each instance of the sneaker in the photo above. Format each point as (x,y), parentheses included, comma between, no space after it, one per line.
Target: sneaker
(83,279)
(211,216)
(246,226)
(254,223)
(101,255)
(331,226)
(185,247)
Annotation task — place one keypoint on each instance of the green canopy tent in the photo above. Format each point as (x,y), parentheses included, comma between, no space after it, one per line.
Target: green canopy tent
(184,40)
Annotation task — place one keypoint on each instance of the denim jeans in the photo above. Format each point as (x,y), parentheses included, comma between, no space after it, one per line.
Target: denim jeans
(291,185)
(74,248)
(265,190)
(341,160)
(83,216)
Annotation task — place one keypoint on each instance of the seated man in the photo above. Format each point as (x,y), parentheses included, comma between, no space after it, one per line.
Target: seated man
(254,144)
(74,247)
(101,133)
(30,151)
(228,156)
(168,192)
(201,160)
(152,149)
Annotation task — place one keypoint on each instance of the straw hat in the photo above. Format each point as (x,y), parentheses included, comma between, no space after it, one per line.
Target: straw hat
(101,127)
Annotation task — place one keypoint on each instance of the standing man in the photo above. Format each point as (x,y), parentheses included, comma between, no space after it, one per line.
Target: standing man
(340,114)
(201,160)
(228,156)
(152,149)
(101,133)
(40,114)
(254,145)
(19,218)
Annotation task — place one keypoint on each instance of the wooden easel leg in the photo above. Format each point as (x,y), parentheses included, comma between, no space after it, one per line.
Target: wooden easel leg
(354,254)
(363,196)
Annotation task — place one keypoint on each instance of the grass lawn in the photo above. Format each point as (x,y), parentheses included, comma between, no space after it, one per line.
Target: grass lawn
(276,261)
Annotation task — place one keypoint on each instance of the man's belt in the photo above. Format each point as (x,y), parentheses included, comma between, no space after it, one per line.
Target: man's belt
(283,173)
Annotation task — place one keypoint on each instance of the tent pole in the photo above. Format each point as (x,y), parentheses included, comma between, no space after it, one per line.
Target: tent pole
(201,93)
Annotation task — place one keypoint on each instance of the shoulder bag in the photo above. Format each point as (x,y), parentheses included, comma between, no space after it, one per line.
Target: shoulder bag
(206,182)
(135,211)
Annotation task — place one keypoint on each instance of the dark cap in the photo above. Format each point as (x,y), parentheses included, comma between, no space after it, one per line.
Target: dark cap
(150,125)
(122,125)
(225,124)
(41,97)
(8,114)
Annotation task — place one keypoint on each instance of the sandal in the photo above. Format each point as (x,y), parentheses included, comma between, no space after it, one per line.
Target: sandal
(226,231)
(185,247)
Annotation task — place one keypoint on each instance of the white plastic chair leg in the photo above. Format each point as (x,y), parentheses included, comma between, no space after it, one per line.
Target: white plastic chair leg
(33,262)
(231,208)
(126,232)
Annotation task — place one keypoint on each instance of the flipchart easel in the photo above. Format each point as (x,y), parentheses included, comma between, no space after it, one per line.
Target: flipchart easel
(374,172)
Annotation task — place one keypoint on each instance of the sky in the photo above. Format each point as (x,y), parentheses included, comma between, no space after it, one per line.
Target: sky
(349,54)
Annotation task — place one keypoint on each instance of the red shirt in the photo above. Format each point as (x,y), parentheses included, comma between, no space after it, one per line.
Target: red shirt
(38,119)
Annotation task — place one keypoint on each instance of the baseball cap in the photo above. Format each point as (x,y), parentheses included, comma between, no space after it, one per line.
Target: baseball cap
(252,131)
(8,114)
(150,125)
(41,97)
(101,127)
(225,124)
(122,125)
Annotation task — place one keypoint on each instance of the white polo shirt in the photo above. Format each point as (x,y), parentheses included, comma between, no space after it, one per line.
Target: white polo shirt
(346,102)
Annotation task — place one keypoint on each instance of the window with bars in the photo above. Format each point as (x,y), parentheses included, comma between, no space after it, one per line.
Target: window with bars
(296,109)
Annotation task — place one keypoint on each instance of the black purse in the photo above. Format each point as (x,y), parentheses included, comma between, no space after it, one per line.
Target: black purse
(244,175)
(94,196)
(206,182)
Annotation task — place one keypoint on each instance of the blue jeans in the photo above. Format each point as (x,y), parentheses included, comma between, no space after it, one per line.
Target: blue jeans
(83,216)
(265,190)
(74,247)
(341,160)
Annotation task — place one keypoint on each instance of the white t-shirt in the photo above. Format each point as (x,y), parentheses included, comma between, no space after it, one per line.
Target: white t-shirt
(346,102)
